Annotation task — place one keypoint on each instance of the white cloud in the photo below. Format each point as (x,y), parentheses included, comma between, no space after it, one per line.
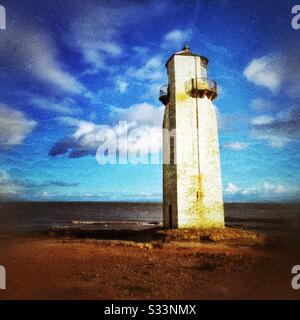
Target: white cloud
(231,188)
(143,131)
(152,70)
(270,188)
(7,186)
(278,130)
(216,48)
(96,30)
(14,127)
(277,71)
(140,51)
(264,119)
(122,85)
(149,76)
(236,146)
(142,114)
(230,122)
(177,37)
(95,33)
(34,51)
(271,138)
(88,137)
(64,106)
(267,71)
(260,104)
(266,190)
(69,121)
(11,188)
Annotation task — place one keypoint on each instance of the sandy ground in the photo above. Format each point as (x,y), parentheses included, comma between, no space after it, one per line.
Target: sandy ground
(65,268)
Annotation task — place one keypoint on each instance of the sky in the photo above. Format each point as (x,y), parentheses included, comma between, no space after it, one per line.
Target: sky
(69,70)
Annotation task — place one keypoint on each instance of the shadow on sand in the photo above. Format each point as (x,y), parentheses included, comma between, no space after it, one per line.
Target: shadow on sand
(140,235)
(159,234)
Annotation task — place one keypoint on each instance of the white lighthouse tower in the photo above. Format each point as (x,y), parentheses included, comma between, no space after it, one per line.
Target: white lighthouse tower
(192,187)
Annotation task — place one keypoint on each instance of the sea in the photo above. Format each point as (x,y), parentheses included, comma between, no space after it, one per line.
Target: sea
(26,217)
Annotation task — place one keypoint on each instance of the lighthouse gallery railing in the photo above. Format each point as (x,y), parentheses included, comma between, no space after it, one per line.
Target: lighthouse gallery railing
(194,87)
(201,84)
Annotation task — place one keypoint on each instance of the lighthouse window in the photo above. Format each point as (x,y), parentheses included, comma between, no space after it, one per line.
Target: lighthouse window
(172,151)
(170,217)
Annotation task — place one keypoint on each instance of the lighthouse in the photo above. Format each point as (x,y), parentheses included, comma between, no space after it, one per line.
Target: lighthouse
(192,186)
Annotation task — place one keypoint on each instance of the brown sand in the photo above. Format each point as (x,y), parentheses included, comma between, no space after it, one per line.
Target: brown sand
(72,268)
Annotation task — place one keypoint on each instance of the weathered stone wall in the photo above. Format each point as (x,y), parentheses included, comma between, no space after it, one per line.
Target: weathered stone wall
(193,186)
(169,167)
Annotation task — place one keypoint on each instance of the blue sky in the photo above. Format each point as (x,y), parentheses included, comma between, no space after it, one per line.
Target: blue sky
(69,69)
